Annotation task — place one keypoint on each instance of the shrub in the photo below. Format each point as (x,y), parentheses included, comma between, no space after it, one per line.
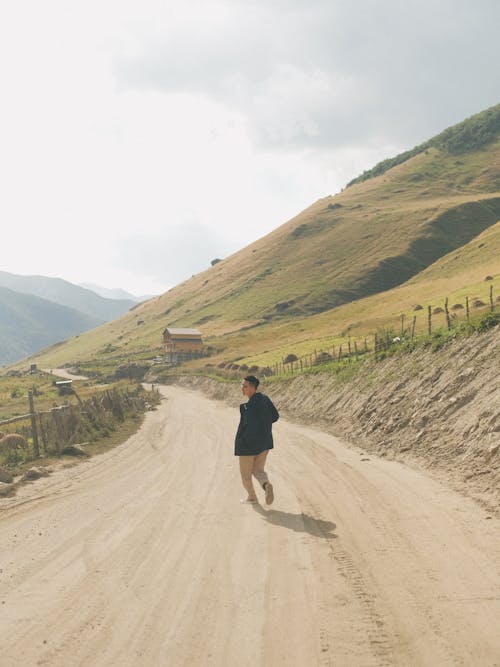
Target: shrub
(488,321)
(283,305)
(323,357)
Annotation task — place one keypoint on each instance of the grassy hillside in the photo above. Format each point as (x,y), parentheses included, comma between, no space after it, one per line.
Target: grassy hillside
(28,323)
(67,294)
(469,135)
(347,264)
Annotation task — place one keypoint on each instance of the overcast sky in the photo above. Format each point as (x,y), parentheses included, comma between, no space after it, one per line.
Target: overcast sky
(141,139)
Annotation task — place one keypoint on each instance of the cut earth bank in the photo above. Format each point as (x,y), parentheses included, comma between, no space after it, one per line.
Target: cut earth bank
(436,410)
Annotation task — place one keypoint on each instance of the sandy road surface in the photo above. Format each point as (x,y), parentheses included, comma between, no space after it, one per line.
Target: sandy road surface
(64,373)
(143,556)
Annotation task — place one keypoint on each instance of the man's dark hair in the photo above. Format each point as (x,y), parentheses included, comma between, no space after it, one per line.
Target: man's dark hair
(253,380)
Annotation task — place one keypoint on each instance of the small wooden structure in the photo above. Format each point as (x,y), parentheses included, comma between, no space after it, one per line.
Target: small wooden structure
(182,344)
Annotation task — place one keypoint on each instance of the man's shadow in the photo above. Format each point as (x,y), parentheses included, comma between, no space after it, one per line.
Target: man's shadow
(300,523)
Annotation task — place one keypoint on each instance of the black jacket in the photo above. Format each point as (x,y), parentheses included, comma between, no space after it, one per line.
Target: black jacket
(254,433)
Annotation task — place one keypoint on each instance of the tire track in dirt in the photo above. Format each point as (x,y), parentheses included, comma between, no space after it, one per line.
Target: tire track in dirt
(143,556)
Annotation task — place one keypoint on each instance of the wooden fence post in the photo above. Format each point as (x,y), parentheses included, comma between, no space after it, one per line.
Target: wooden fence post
(34,431)
(467,310)
(491,298)
(356,350)
(413,327)
(447,312)
(57,427)
(429,320)
(43,434)
(402,325)
(375,344)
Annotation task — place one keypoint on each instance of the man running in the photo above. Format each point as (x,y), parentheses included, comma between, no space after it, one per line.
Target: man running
(254,439)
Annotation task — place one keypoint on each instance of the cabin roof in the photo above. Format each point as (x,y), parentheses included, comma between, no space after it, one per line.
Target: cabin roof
(182,332)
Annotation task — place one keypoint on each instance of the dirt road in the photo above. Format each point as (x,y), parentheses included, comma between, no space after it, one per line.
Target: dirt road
(144,556)
(64,373)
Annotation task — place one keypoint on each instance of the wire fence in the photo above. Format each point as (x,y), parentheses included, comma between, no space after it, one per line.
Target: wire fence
(424,321)
(48,432)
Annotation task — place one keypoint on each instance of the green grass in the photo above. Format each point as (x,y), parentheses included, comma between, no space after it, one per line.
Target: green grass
(348,265)
(14,393)
(344,370)
(100,430)
(470,135)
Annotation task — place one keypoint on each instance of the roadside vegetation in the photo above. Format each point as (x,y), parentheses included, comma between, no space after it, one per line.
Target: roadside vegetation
(69,422)
(351,363)
(370,259)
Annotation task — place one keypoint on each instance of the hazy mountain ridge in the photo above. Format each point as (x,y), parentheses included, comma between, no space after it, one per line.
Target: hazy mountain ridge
(115,293)
(309,274)
(28,323)
(67,294)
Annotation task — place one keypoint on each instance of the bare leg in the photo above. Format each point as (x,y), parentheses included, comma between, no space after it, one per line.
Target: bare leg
(258,468)
(246,467)
(260,474)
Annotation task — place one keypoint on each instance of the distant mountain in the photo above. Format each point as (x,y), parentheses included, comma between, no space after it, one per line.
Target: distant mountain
(67,294)
(29,323)
(343,264)
(116,293)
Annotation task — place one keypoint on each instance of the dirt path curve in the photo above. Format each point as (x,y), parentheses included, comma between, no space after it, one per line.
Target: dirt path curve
(63,373)
(143,556)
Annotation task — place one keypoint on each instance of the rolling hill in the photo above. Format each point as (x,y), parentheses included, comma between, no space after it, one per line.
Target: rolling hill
(28,323)
(67,294)
(400,235)
(116,293)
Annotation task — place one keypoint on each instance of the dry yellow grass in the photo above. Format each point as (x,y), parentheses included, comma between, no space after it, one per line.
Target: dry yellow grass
(352,263)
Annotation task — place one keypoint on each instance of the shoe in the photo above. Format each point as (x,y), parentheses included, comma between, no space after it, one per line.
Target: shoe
(269,493)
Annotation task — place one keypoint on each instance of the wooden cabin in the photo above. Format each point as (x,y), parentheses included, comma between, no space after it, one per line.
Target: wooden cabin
(181,343)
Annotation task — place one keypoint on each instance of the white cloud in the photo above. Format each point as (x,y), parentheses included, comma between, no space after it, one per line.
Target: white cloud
(124,124)
(173,255)
(329,74)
